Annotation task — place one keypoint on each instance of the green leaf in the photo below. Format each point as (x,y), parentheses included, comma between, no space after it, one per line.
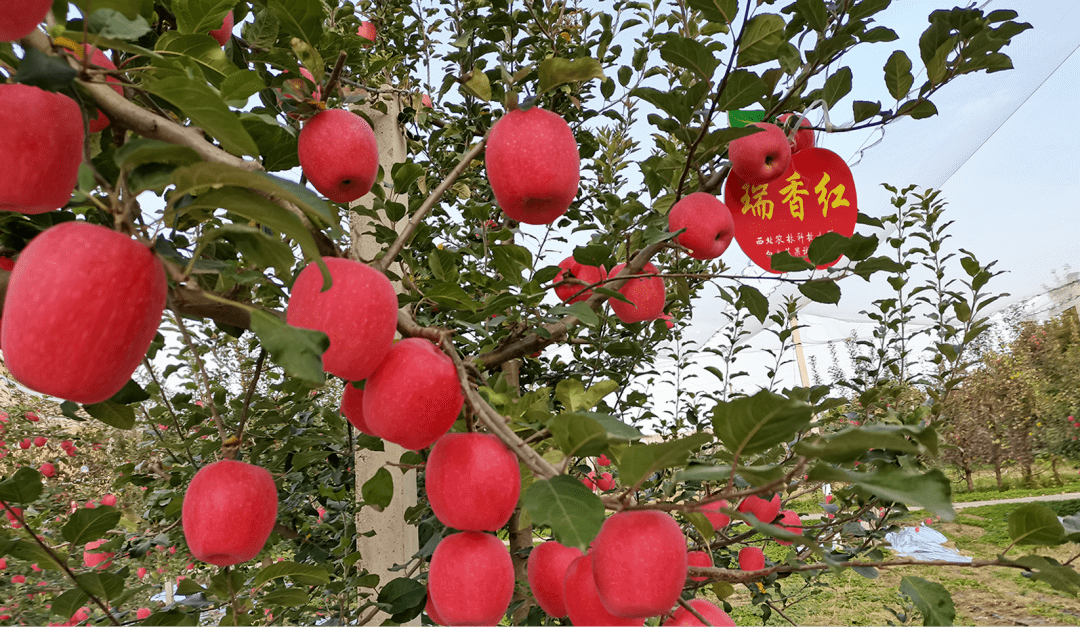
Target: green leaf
(300,18)
(112,414)
(301,574)
(586,434)
(674,103)
(837,86)
(298,351)
(277,143)
(751,299)
(592,255)
(933,600)
(130,8)
(201,176)
(86,525)
(761,40)
(917,109)
(203,50)
(1049,570)
(637,461)
(241,85)
(478,85)
(203,104)
(404,174)
(690,54)
(571,393)
(864,110)
(171,617)
(1036,524)
(141,151)
(378,491)
(66,604)
(557,71)
(22,487)
(814,12)
(102,585)
(403,594)
(742,89)
(824,291)
(256,246)
(130,394)
(451,296)
(718,11)
(784,261)
(860,247)
(851,444)
(112,24)
(866,8)
(563,503)
(45,71)
(931,490)
(286,597)
(757,423)
(200,16)
(585,314)
(827,248)
(898,78)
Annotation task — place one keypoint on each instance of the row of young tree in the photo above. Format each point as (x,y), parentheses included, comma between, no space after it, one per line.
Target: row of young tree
(202,127)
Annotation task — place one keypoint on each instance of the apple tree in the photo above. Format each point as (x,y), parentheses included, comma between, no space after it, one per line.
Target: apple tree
(453,149)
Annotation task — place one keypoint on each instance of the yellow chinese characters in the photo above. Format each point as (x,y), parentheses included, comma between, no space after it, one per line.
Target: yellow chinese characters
(829,198)
(753,200)
(793,194)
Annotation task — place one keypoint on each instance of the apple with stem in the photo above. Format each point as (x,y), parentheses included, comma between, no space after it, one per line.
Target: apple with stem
(572,268)
(471,579)
(765,511)
(229,510)
(708,610)
(18,19)
(338,154)
(533,165)
(789,521)
(639,563)
(761,157)
(583,604)
(358,313)
(415,396)
(708,223)
(700,559)
(473,481)
(41,139)
(804,137)
(647,296)
(751,558)
(546,572)
(82,307)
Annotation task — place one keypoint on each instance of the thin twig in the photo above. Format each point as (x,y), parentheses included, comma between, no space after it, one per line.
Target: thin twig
(250,393)
(335,75)
(690,608)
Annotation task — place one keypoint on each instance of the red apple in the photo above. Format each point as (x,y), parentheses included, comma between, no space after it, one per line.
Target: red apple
(712,512)
(83,305)
(646,295)
(229,509)
(789,521)
(47,469)
(713,614)
(533,165)
(41,138)
(639,563)
(751,558)
(701,559)
(339,155)
(109,500)
(605,482)
(98,560)
(24,443)
(708,224)
(426,101)
(18,19)
(761,157)
(603,461)
(367,31)
(669,321)
(358,313)
(471,579)
(804,137)
(142,613)
(432,613)
(31,416)
(546,572)
(589,480)
(352,407)
(763,510)
(473,481)
(224,34)
(583,603)
(414,397)
(98,58)
(141,572)
(588,274)
(40,441)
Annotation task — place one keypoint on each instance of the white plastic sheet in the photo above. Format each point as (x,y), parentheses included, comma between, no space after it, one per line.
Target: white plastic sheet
(923,543)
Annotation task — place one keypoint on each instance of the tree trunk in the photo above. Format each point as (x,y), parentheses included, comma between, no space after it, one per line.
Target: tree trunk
(997,466)
(520,545)
(967,477)
(1053,468)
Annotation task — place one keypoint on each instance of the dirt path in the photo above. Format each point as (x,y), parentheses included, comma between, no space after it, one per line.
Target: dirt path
(1023,499)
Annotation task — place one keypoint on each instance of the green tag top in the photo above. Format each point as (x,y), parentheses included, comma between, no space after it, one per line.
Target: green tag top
(739,119)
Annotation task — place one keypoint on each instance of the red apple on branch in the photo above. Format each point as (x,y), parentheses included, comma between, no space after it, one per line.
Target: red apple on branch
(472,481)
(41,137)
(229,510)
(700,559)
(765,511)
(708,610)
(751,558)
(533,165)
(712,512)
(646,295)
(789,521)
(583,603)
(546,572)
(761,157)
(572,268)
(352,407)
(98,59)
(471,579)
(82,307)
(804,137)
(358,313)
(415,396)
(708,224)
(367,31)
(224,34)
(19,18)
(639,563)
(339,155)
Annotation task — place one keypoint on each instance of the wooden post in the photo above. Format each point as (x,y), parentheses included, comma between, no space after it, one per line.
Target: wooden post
(394,541)
(799,356)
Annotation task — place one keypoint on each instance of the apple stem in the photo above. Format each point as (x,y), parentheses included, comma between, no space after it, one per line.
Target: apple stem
(332,82)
